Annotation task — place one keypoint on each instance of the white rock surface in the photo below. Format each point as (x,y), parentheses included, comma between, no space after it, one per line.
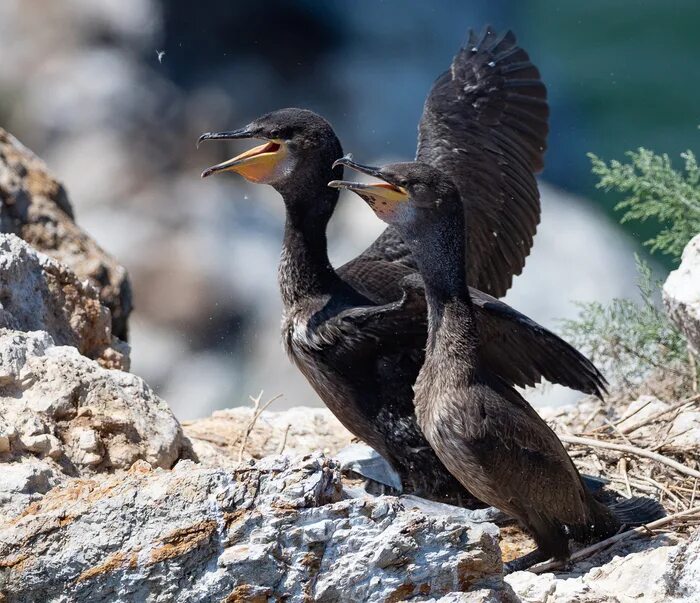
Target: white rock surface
(39,294)
(62,414)
(681,294)
(656,573)
(257,532)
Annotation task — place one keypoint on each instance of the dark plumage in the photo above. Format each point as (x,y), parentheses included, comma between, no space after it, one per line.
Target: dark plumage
(485,125)
(484,432)
(358,333)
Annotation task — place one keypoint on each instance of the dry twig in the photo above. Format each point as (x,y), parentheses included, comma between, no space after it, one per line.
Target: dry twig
(615,429)
(659,458)
(657,415)
(623,472)
(665,490)
(593,415)
(629,415)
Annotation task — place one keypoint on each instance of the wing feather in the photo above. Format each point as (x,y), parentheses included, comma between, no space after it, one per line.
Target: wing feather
(485,123)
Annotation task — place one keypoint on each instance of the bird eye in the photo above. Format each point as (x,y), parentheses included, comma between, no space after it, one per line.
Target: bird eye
(275,134)
(403,182)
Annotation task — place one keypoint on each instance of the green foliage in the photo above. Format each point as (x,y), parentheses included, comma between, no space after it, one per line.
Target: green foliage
(655,190)
(626,339)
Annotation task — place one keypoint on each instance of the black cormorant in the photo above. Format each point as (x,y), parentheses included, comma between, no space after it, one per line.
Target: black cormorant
(481,428)
(358,333)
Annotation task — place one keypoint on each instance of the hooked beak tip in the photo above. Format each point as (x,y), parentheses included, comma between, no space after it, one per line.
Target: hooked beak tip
(336,183)
(202,138)
(207,172)
(342,161)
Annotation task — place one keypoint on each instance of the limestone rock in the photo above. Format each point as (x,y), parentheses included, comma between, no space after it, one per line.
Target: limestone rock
(681,294)
(39,294)
(62,415)
(482,595)
(271,530)
(24,481)
(661,572)
(685,575)
(35,206)
(217,439)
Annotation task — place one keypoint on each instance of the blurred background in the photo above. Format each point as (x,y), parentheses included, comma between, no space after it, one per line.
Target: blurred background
(113,94)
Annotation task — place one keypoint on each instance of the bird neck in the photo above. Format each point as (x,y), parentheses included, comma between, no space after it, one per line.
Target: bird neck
(452,335)
(305,269)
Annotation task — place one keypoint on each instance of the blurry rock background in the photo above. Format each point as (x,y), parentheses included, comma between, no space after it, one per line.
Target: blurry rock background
(113,94)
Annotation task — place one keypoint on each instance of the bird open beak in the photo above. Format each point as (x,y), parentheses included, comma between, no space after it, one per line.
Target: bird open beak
(369,191)
(255,164)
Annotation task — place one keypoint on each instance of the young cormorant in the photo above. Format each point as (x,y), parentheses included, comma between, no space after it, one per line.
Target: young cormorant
(481,428)
(358,333)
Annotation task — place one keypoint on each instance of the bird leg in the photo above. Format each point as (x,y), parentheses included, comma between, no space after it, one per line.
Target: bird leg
(524,562)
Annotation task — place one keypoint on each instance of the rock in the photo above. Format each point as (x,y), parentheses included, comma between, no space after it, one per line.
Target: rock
(39,294)
(482,595)
(270,530)
(35,206)
(685,430)
(63,415)
(681,294)
(640,410)
(24,481)
(685,577)
(216,440)
(662,572)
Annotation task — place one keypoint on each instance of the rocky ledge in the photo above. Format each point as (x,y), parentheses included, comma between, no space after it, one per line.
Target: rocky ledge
(104,496)
(272,530)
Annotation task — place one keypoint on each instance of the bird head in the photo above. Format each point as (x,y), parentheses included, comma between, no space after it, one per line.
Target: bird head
(409,194)
(297,145)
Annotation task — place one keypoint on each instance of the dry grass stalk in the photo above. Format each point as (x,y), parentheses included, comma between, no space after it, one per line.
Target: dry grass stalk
(257,411)
(283,445)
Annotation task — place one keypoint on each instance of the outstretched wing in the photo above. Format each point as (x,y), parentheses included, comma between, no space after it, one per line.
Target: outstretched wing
(485,124)
(522,352)
(511,345)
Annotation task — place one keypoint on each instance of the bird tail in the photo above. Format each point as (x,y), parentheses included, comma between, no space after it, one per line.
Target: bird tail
(637,511)
(609,519)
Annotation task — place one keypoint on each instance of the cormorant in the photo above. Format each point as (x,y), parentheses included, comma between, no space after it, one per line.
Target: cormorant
(481,428)
(358,333)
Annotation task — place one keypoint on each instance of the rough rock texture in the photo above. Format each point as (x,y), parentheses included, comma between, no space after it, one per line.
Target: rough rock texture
(217,439)
(39,294)
(658,573)
(681,294)
(62,415)
(272,530)
(34,206)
